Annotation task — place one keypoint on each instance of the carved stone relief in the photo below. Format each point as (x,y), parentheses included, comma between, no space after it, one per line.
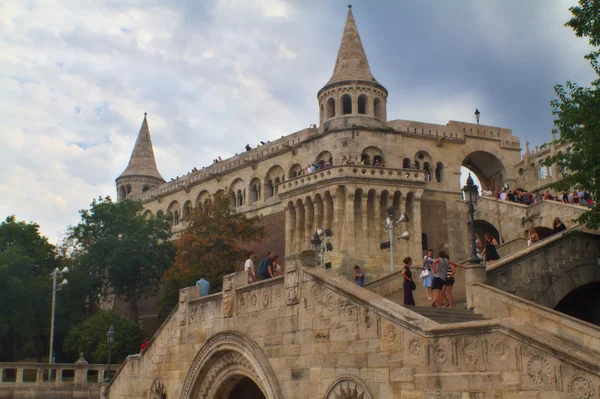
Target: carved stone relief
(292,287)
(470,353)
(500,350)
(440,354)
(391,337)
(539,370)
(228,296)
(414,349)
(348,387)
(581,388)
(157,391)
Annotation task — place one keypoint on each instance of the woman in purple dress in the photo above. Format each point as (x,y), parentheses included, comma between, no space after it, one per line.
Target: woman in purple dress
(409,284)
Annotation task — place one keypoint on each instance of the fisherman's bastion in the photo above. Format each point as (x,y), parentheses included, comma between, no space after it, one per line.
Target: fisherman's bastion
(525,327)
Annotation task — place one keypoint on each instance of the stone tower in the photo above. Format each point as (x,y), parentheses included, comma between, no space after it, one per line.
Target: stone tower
(141,174)
(352,96)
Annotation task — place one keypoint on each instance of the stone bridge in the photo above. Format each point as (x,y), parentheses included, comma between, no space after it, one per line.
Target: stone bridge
(313,334)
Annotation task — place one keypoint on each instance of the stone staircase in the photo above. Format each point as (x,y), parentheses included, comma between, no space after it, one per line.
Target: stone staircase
(446,315)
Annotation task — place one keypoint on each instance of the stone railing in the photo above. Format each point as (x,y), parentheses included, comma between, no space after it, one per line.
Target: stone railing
(31,380)
(352,172)
(494,303)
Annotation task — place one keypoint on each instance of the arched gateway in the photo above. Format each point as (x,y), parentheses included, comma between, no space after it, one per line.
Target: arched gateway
(227,366)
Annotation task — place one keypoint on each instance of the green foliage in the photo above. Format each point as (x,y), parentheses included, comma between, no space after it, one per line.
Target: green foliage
(211,247)
(118,245)
(90,338)
(26,260)
(577,111)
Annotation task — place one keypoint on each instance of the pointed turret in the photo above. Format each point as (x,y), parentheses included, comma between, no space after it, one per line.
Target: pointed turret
(351,63)
(352,92)
(141,170)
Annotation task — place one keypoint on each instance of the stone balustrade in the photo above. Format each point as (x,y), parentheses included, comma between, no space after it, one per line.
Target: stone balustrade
(352,171)
(64,380)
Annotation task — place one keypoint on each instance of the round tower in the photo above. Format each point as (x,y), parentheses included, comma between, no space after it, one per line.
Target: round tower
(141,173)
(352,95)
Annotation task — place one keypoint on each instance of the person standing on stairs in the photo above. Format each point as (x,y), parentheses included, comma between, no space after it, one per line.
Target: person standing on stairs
(428,277)
(409,284)
(440,275)
(447,290)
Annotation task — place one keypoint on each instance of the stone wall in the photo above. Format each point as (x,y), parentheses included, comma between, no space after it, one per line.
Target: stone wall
(314,334)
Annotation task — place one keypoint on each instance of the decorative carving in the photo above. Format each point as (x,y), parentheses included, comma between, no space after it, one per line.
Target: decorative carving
(292,286)
(253,300)
(547,256)
(278,292)
(228,299)
(414,349)
(538,370)
(470,353)
(315,292)
(368,319)
(439,352)
(581,388)
(265,299)
(330,302)
(348,387)
(157,390)
(501,351)
(226,361)
(391,336)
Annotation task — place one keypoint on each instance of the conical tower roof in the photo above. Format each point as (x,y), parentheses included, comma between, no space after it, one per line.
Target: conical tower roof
(351,63)
(142,162)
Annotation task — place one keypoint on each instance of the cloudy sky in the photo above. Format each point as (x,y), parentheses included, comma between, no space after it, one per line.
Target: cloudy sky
(76,77)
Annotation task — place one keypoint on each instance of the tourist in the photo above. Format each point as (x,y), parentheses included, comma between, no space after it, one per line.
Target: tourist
(409,284)
(489,252)
(249,267)
(533,237)
(359,276)
(144,345)
(503,196)
(277,270)
(427,273)
(440,267)
(558,226)
(447,289)
(265,268)
(204,286)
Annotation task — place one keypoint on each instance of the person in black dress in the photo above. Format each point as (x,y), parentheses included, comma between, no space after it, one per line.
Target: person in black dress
(490,253)
(408,282)
(558,226)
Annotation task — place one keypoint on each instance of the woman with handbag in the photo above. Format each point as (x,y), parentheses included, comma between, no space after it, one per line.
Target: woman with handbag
(427,274)
(409,284)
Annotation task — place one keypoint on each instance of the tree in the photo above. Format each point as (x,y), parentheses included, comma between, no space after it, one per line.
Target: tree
(89,337)
(577,111)
(211,247)
(26,260)
(118,244)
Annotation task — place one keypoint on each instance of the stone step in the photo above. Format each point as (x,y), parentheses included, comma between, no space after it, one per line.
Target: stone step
(446,315)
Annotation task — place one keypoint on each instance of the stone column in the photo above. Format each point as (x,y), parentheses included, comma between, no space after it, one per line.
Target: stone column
(377,220)
(309,221)
(299,236)
(39,377)
(290,228)
(19,376)
(318,214)
(475,273)
(402,246)
(350,228)
(367,235)
(416,228)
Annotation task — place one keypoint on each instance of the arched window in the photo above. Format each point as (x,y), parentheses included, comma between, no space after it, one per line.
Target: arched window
(187,210)
(145,188)
(346,104)
(378,108)
(122,193)
(269,189)
(160,214)
(321,113)
(406,163)
(147,214)
(362,104)
(277,181)
(128,188)
(295,171)
(175,218)
(239,198)
(330,108)
(254,191)
(439,172)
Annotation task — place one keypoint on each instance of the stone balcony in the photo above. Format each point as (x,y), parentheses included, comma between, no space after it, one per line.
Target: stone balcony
(355,174)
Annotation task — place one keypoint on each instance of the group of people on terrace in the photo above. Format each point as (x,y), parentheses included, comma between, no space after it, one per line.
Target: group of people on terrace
(267,268)
(576,197)
(364,160)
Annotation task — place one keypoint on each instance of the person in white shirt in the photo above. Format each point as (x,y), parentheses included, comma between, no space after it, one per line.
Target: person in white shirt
(503,195)
(249,267)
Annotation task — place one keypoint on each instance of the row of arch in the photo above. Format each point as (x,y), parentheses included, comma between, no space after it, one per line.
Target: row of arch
(330,110)
(125,190)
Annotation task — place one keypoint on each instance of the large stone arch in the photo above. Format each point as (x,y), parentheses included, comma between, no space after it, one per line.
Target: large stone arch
(372,153)
(569,282)
(488,168)
(224,359)
(274,176)
(483,226)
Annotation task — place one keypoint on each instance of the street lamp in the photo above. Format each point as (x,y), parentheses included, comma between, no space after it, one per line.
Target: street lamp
(55,275)
(110,338)
(477,113)
(320,244)
(471,192)
(316,244)
(389,226)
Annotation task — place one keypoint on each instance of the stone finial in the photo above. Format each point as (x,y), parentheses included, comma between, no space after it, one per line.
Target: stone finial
(81,360)
(527,147)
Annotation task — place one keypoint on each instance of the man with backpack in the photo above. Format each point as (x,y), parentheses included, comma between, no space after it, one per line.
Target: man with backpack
(265,267)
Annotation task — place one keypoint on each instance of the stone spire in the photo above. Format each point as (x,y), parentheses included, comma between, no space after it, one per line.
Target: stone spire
(142,162)
(351,63)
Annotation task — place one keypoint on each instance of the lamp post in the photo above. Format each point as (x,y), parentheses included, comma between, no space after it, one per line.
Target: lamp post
(110,339)
(471,192)
(55,275)
(316,244)
(477,114)
(389,226)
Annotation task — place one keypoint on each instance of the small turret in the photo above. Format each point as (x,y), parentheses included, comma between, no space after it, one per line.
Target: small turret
(141,173)
(352,91)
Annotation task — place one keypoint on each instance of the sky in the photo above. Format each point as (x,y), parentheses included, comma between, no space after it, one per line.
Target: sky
(77,76)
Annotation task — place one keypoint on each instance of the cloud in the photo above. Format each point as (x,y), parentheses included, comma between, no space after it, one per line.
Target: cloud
(76,78)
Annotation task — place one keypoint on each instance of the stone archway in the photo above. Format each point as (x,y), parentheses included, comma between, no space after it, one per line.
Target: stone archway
(568,283)
(483,226)
(488,168)
(224,361)
(582,303)
(242,388)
